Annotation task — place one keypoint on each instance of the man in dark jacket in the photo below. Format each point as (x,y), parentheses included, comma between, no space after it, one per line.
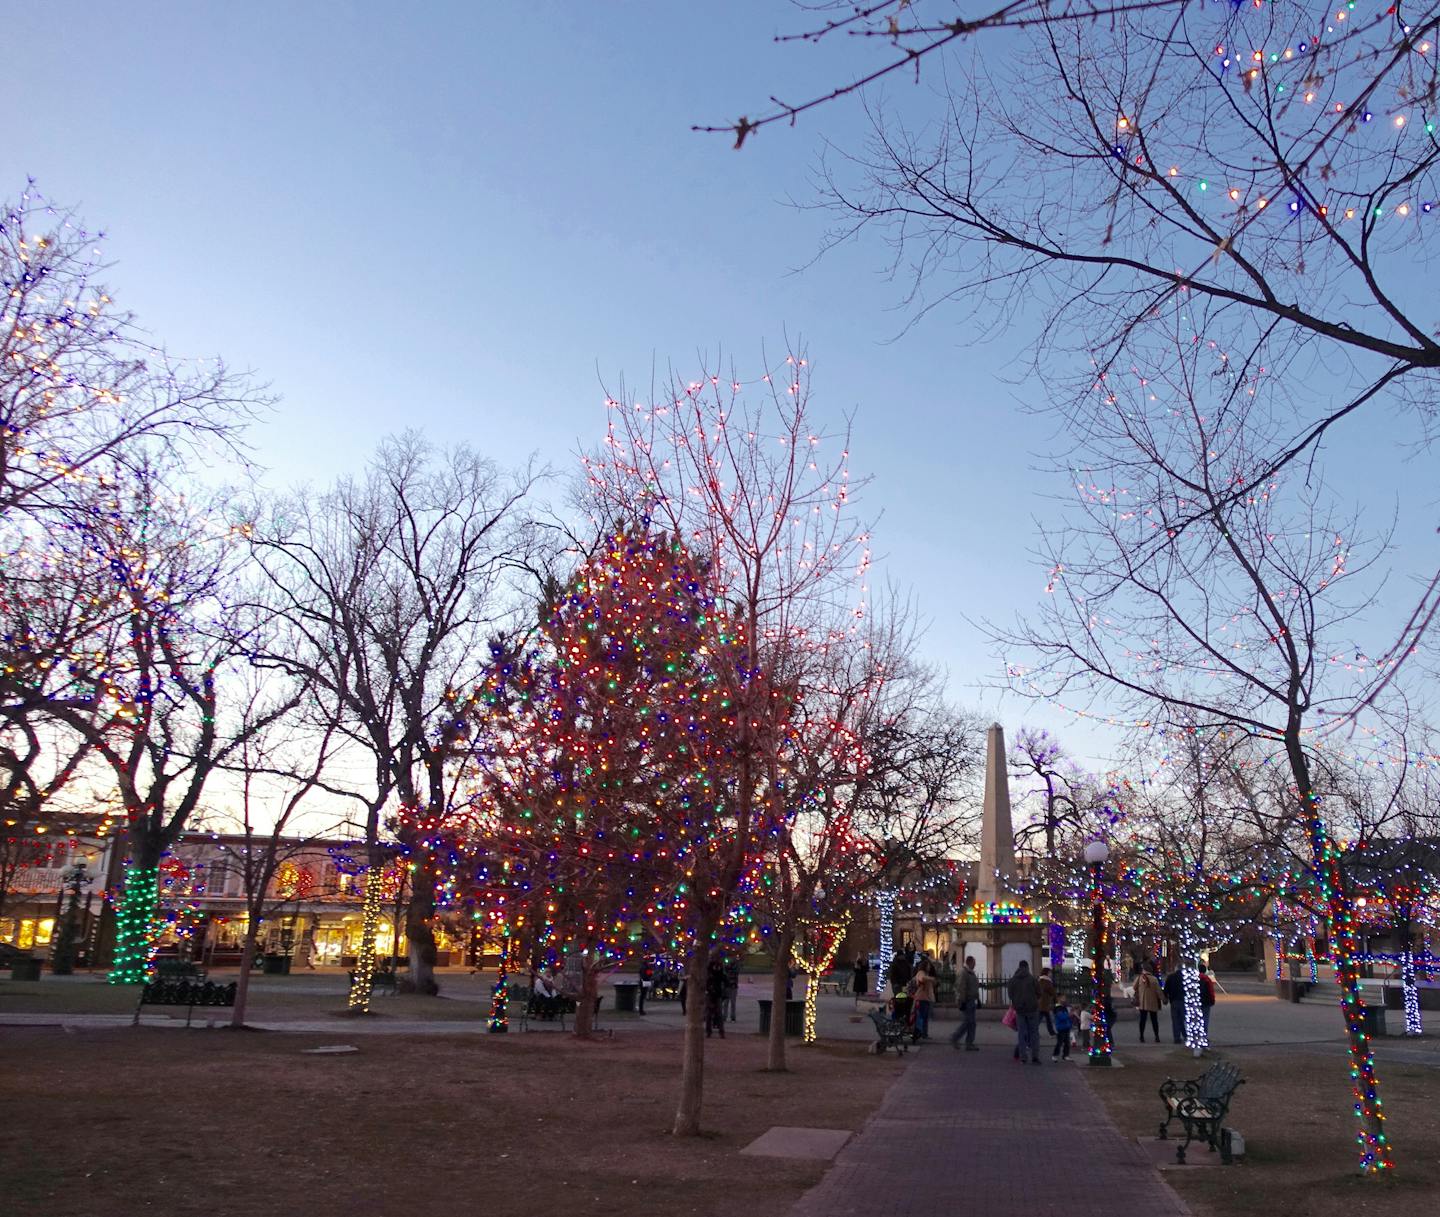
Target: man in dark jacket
(1174,993)
(900,972)
(967,993)
(1025,997)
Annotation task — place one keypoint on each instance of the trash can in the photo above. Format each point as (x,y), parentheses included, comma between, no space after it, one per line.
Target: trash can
(794,1016)
(277,964)
(1373,1020)
(625,996)
(25,969)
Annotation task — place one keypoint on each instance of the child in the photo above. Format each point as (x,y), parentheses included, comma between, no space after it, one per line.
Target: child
(1085,1020)
(1062,1030)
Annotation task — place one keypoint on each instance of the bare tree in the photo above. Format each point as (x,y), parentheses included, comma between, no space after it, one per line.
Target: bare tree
(390,587)
(746,480)
(1066,793)
(82,389)
(278,768)
(909,35)
(847,701)
(1272,166)
(149,705)
(919,809)
(1191,870)
(1200,609)
(1242,159)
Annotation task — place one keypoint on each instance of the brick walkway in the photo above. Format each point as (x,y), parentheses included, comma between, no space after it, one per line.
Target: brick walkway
(975,1134)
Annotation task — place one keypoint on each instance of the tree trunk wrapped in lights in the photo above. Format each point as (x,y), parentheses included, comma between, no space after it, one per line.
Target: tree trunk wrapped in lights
(1344,953)
(364,978)
(1410,993)
(815,959)
(500,993)
(135,924)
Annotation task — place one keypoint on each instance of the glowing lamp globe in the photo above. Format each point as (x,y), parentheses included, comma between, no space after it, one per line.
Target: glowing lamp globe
(1096,853)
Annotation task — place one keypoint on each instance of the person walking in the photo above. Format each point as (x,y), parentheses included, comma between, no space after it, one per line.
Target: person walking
(1207,998)
(967,993)
(862,976)
(1174,993)
(924,988)
(1147,1001)
(647,980)
(1047,1000)
(1062,1030)
(715,998)
(1024,992)
(732,985)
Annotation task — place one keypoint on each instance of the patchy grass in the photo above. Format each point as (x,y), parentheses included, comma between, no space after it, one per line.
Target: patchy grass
(130,1121)
(1295,1111)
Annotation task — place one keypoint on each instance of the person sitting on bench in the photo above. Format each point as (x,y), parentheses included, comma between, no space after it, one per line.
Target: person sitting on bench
(546,996)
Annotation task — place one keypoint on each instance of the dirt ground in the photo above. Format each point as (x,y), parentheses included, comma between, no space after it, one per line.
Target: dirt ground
(112,1123)
(1294,1111)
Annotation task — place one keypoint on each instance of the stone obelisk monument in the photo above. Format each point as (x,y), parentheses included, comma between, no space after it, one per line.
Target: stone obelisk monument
(995,917)
(997,834)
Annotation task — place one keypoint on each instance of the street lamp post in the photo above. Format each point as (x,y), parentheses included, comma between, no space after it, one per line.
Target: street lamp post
(1095,855)
(62,957)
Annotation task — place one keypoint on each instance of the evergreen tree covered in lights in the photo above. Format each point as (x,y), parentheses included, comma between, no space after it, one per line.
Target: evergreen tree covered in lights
(602,769)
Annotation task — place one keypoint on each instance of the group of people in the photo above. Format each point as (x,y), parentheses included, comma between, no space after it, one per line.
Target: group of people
(722,991)
(1150,993)
(550,993)
(912,986)
(1035,1001)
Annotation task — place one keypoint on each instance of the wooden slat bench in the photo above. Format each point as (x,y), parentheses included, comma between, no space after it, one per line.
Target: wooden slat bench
(1201,1106)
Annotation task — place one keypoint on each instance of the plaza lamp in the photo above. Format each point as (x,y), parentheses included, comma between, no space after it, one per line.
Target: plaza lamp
(1096,854)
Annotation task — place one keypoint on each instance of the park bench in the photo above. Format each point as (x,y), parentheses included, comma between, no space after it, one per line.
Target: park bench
(889,1032)
(1201,1106)
(182,992)
(837,983)
(178,969)
(532,1007)
(381,978)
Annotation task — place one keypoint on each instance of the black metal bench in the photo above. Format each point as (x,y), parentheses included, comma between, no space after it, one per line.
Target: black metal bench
(549,1009)
(187,993)
(889,1032)
(178,969)
(1201,1106)
(381,978)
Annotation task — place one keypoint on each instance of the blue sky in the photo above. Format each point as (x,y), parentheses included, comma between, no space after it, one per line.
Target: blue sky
(462,216)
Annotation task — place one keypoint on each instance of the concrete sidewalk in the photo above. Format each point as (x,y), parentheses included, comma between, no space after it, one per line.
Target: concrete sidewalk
(975,1133)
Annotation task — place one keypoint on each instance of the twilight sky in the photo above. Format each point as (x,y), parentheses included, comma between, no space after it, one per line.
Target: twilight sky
(462,216)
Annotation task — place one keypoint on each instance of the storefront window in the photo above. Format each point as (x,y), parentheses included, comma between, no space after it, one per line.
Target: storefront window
(329,944)
(35,932)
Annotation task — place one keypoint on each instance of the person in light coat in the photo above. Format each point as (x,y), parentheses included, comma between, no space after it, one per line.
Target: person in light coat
(1148,998)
